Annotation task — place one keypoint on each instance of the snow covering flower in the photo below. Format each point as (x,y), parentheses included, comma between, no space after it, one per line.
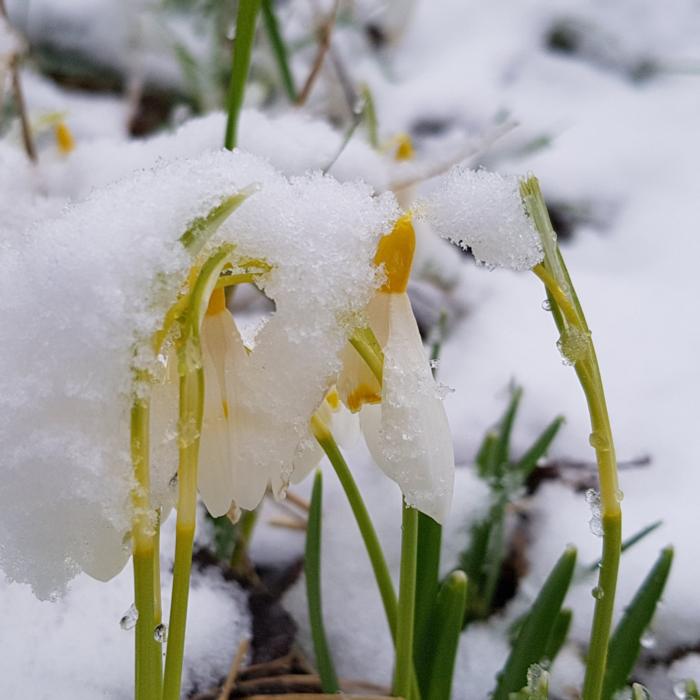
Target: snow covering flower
(108,270)
(483,211)
(403,418)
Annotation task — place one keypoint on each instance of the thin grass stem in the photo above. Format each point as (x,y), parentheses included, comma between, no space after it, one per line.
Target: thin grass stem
(279,48)
(240,65)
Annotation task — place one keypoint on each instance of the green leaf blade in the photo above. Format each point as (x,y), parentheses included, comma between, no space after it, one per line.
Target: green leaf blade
(531,644)
(625,643)
(449,612)
(312,571)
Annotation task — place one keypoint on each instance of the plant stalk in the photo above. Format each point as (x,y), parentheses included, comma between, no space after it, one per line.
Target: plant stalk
(191,410)
(364,522)
(568,314)
(148,670)
(240,65)
(407,603)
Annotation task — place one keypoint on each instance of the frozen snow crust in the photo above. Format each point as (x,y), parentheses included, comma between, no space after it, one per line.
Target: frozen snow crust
(84,292)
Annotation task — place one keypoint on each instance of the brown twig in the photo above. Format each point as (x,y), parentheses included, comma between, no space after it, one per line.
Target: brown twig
(295,523)
(233,671)
(324,42)
(18,96)
(298,501)
(469,152)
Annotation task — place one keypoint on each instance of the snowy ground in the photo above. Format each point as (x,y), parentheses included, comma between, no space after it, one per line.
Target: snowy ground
(621,150)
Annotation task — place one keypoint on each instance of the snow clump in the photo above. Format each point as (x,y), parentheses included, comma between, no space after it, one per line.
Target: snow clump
(483,211)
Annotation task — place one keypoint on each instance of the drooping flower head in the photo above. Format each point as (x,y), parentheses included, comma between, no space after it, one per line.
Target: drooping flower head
(108,272)
(402,417)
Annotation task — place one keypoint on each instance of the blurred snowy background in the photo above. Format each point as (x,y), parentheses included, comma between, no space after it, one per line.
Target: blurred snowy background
(600,100)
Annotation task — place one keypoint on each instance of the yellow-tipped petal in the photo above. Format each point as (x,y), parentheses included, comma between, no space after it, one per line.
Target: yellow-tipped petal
(395,253)
(217,446)
(408,434)
(404,148)
(332,399)
(361,395)
(217,302)
(64,138)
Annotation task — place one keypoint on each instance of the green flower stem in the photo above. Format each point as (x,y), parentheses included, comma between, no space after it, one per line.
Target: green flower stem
(240,64)
(568,314)
(190,426)
(367,346)
(364,522)
(279,48)
(147,651)
(407,603)
(191,409)
(369,534)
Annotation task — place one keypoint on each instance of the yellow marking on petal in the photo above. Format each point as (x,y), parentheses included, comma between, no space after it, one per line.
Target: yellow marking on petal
(404,148)
(333,399)
(224,406)
(217,302)
(64,138)
(395,252)
(361,395)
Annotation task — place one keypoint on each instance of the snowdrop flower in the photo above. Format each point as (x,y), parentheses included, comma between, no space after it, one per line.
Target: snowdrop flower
(403,418)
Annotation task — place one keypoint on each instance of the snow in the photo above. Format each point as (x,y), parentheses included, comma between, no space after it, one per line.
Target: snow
(619,150)
(60,640)
(484,212)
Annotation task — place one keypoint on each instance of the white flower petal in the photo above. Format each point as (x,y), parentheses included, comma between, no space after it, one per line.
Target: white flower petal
(216,448)
(408,434)
(309,454)
(345,427)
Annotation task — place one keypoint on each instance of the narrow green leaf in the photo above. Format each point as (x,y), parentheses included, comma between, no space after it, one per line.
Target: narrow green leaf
(446,628)
(686,690)
(505,429)
(625,642)
(493,558)
(427,572)
(528,461)
(639,692)
(204,227)
(486,456)
(472,562)
(531,645)
(558,635)
(312,570)
(370,115)
(279,48)
(240,65)
(630,542)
